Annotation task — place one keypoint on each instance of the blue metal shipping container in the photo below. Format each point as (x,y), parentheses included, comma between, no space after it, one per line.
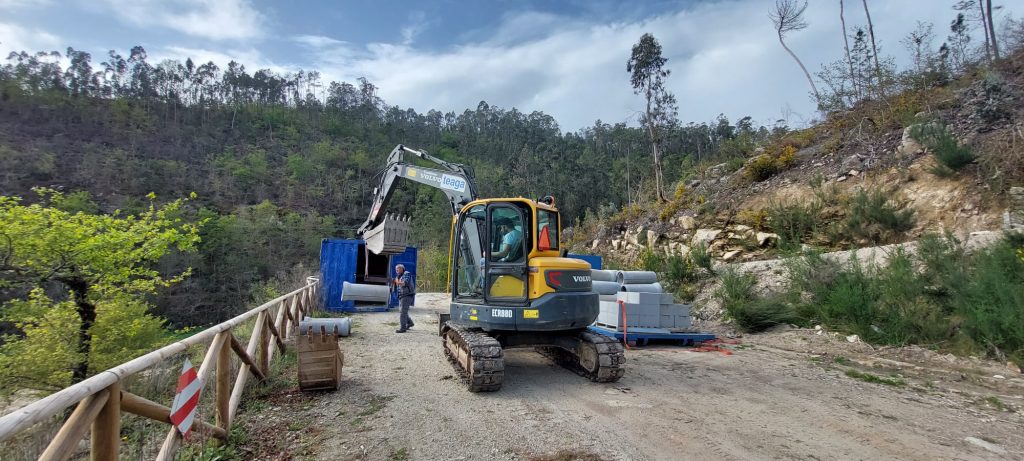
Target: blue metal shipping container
(595,261)
(344,260)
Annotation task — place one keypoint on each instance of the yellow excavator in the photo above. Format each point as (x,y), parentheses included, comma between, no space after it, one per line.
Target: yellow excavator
(511,284)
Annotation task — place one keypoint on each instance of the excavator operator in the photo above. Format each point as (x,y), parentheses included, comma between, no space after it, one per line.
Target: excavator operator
(511,242)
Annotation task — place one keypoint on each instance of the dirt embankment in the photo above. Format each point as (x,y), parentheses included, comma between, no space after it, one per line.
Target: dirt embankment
(793,394)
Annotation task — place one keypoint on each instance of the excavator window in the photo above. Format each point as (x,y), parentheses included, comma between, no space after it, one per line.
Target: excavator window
(506,271)
(469,262)
(547,230)
(506,234)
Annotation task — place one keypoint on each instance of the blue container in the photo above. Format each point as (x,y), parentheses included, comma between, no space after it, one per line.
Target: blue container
(407,259)
(344,260)
(595,261)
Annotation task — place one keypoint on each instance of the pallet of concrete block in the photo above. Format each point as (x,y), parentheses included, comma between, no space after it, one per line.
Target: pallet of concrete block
(638,317)
(320,358)
(643,310)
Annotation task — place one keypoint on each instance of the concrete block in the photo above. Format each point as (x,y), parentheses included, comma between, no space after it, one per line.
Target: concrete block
(675,309)
(609,313)
(675,321)
(637,314)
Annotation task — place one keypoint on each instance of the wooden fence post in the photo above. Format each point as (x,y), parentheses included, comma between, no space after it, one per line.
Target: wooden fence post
(243,371)
(265,338)
(66,441)
(224,384)
(106,428)
(173,439)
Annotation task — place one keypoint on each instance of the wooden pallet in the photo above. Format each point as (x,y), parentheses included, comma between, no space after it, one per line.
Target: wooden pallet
(320,360)
(636,336)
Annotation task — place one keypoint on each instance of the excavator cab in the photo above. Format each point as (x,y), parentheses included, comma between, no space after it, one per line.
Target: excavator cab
(507,273)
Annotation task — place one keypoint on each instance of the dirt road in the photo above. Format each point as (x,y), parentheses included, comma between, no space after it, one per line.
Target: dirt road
(402,400)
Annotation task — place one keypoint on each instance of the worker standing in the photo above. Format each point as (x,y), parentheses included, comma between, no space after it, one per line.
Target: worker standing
(406,289)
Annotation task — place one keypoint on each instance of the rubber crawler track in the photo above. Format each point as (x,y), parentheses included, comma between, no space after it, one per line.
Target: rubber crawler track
(488,361)
(610,357)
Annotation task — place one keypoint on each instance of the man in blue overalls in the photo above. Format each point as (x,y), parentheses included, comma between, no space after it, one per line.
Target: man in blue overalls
(406,290)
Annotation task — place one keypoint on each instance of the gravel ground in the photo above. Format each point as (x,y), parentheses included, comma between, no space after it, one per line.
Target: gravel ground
(771,397)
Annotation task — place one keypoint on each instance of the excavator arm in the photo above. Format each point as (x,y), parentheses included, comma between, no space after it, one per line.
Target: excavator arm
(387,234)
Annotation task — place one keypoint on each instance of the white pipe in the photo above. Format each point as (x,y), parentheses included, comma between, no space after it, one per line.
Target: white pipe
(363,292)
(598,275)
(342,326)
(634,277)
(643,287)
(605,288)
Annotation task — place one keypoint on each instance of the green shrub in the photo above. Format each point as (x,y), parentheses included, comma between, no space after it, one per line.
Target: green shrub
(432,271)
(701,258)
(992,301)
(680,269)
(770,164)
(751,312)
(874,215)
(648,260)
(939,294)
(951,156)
(793,222)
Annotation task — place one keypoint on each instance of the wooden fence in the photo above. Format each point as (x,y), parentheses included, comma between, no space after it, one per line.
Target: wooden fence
(100,400)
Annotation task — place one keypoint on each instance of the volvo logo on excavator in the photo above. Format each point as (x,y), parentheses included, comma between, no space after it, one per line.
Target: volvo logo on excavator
(568,280)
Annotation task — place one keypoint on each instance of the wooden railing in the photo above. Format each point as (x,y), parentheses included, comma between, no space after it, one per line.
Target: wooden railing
(101,400)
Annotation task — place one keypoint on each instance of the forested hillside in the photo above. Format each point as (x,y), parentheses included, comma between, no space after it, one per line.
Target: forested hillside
(280,161)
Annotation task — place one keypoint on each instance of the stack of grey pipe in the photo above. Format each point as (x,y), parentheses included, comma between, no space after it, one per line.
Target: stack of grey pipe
(644,303)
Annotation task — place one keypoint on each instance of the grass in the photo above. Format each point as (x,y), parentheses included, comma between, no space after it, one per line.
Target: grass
(400,454)
(377,403)
(995,402)
(568,455)
(870,378)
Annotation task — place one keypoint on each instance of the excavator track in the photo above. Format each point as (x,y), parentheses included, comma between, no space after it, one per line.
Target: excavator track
(478,357)
(597,357)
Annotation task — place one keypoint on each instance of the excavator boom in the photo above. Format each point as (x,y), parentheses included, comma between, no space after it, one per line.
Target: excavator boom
(387,234)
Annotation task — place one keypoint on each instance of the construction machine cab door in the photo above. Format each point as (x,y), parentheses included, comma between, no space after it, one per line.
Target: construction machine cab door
(467,254)
(506,269)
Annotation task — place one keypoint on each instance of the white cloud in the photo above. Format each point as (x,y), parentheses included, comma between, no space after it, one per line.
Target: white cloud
(417,23)
(212,19)
(724,57)
(9,5)
(318,41)
(17,38)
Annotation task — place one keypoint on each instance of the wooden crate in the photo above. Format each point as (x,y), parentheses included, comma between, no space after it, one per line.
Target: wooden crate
(320,360)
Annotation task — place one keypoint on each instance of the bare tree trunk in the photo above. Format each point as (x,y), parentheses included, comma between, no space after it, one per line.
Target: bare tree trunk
(814,88)
(991,28)
(874,49)
(654,149)
(846,48)
(87,317)
(986,26)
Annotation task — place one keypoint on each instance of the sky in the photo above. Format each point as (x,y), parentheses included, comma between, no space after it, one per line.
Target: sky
(566,58)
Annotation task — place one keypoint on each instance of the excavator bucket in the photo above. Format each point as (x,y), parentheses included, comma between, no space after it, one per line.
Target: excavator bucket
(389,237)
